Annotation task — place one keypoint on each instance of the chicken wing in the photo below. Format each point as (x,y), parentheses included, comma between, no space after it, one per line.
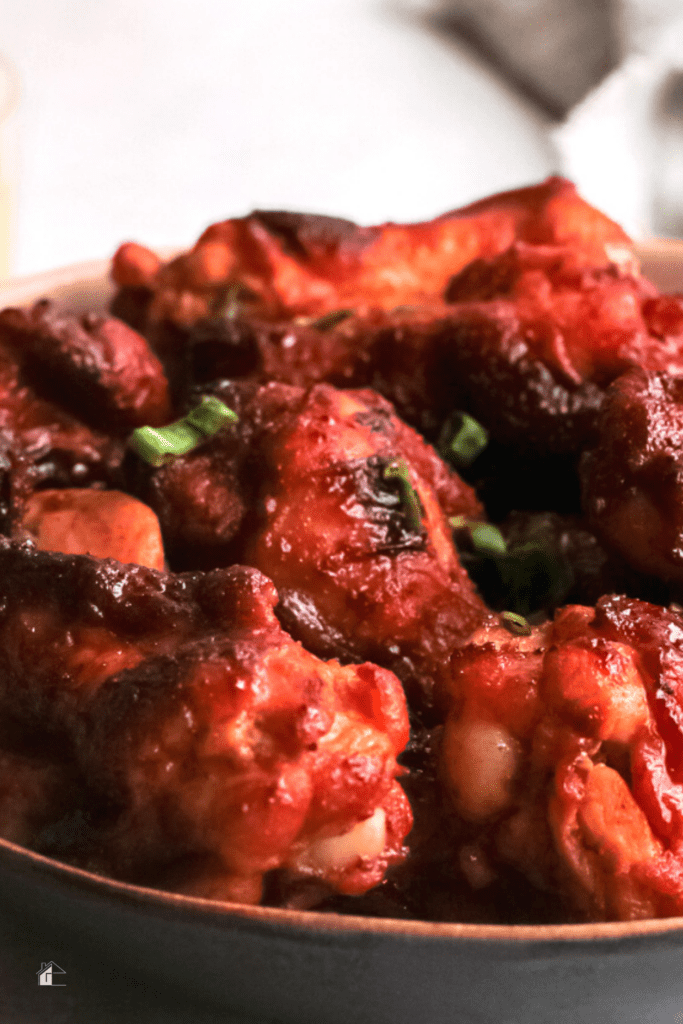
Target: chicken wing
(346,509)
(563,754)
(214,746)
(633,478)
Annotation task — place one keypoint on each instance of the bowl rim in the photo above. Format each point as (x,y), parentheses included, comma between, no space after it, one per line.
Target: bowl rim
(95,273)
(218,913)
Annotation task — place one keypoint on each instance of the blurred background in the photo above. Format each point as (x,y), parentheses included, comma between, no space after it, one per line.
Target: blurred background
(149,119)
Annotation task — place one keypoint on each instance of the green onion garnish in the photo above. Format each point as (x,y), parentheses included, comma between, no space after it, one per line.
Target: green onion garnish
(210,415)
(328,320)
(462,440)
(515,623)
(398,470)
(486,538)
(158,445)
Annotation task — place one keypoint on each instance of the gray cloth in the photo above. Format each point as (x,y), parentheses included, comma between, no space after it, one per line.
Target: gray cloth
(555,50)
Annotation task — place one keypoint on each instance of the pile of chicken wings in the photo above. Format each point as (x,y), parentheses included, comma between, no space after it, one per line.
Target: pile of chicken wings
(402,636)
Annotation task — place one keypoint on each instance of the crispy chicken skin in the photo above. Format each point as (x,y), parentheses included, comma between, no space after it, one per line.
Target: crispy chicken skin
(549,307)
(96,366)
(338,541)
(563,753)
(529,342)
(325,518)
(526,341)
(44,443)
(299,264)
(633,478)
(538,334)
(219,748)
(71,389)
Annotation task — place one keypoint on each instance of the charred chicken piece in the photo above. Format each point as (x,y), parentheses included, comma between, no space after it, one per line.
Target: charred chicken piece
(203,496)
(215,747)
(354,532)
(633,479)
(345,508)
(538,335)
(562,751)
(44,443)
(286,264)
(95,366)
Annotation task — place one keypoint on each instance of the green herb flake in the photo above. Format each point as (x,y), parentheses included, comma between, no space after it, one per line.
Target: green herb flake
(515,624)
(462,440)
(458,522)
(398,470)
(210,415)
(157,445)
(487,539)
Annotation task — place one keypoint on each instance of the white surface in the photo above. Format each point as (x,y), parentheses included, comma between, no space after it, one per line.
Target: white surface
(151,119)
(623,145)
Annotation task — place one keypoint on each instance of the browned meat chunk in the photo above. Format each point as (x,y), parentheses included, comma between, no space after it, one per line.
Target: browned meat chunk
(355,550)
(539,335)
(85,521)
(214,745)
(45,443)
(286,263)
(347,512)
(96,366)
(633,479)
(562,751)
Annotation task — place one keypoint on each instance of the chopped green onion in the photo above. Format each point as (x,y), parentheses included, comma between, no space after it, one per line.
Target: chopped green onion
(210,415)
(158,445)
(487,539)
(411,501)
(462,440)
(515,623)
(328,320)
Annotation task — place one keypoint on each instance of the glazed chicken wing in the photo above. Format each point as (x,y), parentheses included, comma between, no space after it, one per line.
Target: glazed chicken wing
(215,748)
(297,264)
(563,754)
(68,387)
(633,478)
(346,509)
(533,338)
(43,443)
(358,550)
(95,366)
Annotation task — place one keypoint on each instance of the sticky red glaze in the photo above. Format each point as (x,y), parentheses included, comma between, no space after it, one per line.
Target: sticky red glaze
(211,737)
(303,264)
(591,707)
(632,484)
(98,366)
